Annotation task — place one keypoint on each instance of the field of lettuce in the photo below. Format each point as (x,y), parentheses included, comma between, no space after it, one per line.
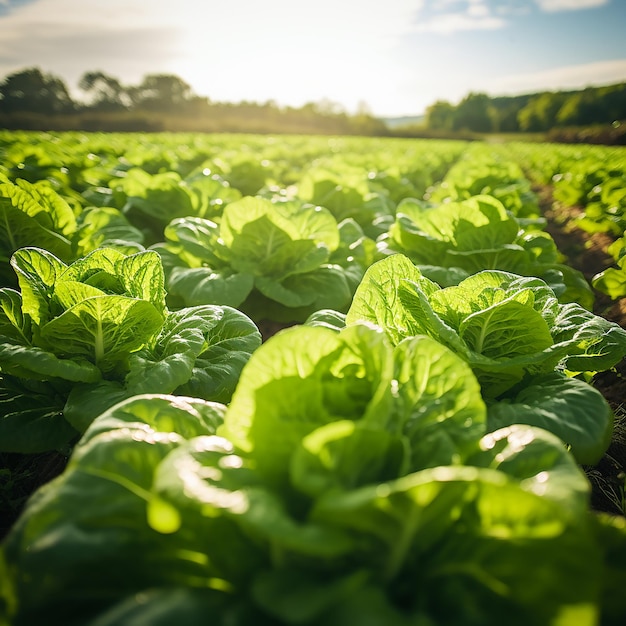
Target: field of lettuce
(310,380)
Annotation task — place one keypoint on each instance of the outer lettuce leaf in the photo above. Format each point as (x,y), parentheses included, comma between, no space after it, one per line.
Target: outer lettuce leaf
(197,241)
(327,318)
(325,287)
(31,417)
(14,325)
(570,408)
(35,363)
(203,285)
(160,413)
(104,227)
(58,210)
(594,343)
(536,457)
(86,402)
(230,337)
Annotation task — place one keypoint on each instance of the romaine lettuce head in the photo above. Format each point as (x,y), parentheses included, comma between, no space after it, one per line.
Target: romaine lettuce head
(97,331)
(155,498)
(507,327)
(307,384)
(275,260)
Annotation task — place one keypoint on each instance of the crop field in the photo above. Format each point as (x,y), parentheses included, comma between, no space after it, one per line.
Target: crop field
(304,380)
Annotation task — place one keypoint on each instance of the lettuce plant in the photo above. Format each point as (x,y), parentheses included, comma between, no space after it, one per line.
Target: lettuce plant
(349,481)
(272,260)
(32,213)
(76,338)
(522,344)
(450,241)
(612,280)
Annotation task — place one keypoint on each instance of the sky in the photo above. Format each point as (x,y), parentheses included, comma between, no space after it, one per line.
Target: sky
(395,57)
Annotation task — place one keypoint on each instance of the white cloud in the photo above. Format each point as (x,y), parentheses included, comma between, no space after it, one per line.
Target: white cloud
(560,78)
(552,6)
(456,22)
(445,21)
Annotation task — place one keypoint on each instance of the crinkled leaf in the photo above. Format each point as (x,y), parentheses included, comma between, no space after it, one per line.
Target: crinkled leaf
(37,271)
(594,343)
(439,405)
(100,226)
(25,218)
(198,240)
(142,277)
(377,299)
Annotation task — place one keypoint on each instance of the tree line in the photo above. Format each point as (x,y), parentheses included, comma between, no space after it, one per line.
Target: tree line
(32,99)
(538,112)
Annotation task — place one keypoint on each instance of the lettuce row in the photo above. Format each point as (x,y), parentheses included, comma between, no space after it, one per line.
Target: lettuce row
(77,338)
(348,481)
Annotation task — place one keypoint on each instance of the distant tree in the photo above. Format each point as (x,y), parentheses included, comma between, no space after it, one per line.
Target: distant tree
(583,108)
(614,97)
(32,91)
(161,92)
(106,92)
(505,110)
(541,112)
(440,115)
(474,113)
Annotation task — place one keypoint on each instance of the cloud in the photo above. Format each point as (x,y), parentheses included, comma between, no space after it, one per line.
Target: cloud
(560,78)
(553,6)
(445,18)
